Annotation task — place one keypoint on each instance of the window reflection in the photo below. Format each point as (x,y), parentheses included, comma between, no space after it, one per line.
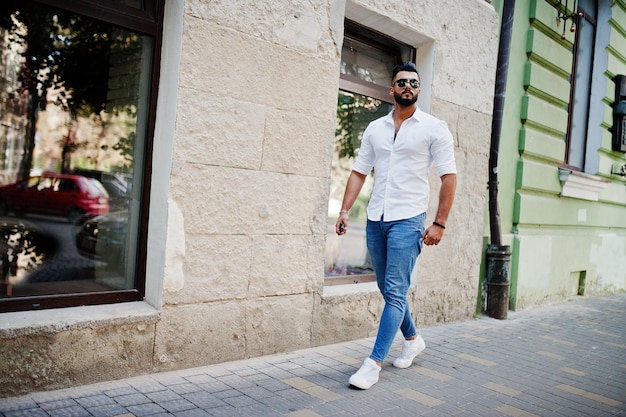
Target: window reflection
(367,60)
(347,255)
(73,109)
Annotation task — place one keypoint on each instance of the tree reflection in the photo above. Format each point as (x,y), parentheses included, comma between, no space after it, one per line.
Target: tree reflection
(65,61)
(23,249)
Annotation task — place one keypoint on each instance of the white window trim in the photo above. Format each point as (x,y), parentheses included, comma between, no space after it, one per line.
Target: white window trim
(424,45)
(580,185)
(164,131)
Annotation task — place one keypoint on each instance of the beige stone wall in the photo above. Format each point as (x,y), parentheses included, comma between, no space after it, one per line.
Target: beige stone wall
(250,177)
(252,153)
(245,206)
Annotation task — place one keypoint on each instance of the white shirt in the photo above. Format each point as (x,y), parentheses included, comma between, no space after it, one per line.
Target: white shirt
(401,167)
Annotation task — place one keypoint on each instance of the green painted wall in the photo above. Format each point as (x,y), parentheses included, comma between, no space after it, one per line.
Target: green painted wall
(559,242)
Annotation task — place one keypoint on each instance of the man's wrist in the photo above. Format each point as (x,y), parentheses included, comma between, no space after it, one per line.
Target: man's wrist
(439,225)
(342,211)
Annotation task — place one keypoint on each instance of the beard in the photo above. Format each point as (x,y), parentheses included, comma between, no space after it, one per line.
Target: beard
(404,101)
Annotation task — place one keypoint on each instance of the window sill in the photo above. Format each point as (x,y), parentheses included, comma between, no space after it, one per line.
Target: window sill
(347,289)
(580,185)
(349,279)
(52,321)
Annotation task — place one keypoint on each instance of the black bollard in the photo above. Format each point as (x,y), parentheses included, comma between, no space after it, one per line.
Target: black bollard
(498,260)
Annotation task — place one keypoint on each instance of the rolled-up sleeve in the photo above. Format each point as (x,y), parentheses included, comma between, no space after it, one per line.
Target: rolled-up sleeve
(442,150)
(366,156)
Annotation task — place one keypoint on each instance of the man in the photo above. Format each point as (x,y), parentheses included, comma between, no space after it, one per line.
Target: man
(400,147)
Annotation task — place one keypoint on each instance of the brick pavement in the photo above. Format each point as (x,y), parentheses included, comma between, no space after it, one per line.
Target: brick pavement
(566,360)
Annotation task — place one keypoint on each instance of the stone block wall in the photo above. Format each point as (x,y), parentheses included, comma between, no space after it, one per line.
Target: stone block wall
(249,165)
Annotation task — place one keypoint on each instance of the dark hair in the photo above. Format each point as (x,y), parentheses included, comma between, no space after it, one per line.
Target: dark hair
(405,66)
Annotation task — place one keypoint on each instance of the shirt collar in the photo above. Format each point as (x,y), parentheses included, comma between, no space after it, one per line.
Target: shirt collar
(417,114)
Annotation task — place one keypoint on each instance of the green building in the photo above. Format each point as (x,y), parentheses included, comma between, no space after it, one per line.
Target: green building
(561,167)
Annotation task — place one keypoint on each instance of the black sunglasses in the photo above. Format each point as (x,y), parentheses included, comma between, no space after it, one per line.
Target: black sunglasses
(402,82)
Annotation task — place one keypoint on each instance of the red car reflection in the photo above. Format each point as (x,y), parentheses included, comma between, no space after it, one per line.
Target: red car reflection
(66,195)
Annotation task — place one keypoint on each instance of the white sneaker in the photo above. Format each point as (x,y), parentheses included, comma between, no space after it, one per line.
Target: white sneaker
(410,349)
(366,376)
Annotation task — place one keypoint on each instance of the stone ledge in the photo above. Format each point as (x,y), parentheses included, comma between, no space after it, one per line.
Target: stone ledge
(347,289)
(48,322)
(580,185)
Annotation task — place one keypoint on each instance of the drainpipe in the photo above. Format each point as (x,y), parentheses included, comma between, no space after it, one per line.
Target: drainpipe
(498,256)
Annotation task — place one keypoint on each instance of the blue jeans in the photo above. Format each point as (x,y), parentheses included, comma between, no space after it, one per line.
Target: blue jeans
(394,247)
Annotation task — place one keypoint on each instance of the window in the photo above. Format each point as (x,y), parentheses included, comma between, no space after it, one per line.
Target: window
(77,99)
(581,91)
(367,59)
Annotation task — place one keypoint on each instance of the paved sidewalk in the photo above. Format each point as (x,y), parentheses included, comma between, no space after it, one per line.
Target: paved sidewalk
(566,360)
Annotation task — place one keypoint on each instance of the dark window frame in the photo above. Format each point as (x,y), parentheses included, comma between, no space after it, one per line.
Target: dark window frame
(145,21)
(573,91)
(349,83)
(148,22)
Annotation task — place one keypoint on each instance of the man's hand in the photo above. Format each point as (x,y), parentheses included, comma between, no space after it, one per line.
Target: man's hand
(341,227)
(432,235)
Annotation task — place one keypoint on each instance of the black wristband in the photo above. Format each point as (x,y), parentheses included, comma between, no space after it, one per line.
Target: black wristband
(439,224)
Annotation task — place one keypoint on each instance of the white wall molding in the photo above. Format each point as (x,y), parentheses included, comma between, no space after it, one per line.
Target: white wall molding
(580,185)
